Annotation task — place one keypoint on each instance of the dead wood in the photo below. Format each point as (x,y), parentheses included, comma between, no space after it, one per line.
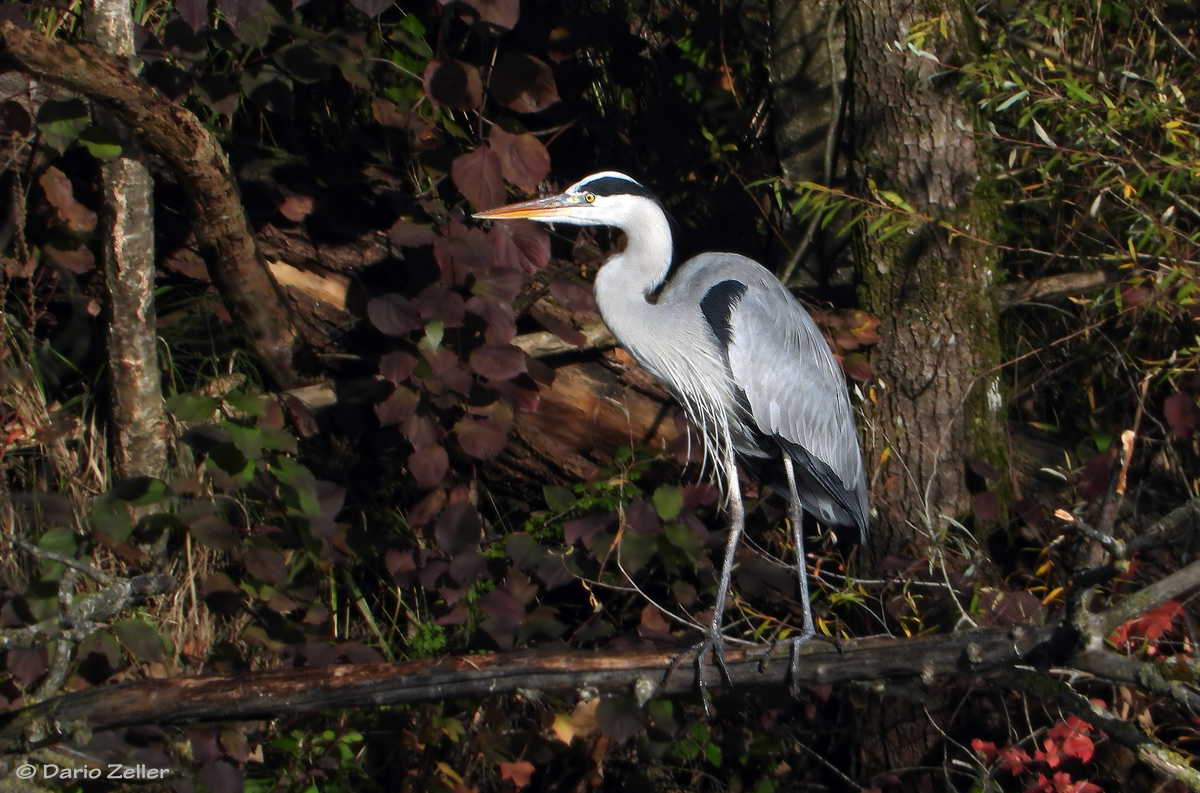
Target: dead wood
(226,240)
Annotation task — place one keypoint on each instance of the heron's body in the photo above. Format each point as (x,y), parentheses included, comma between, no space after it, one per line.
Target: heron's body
(740,354)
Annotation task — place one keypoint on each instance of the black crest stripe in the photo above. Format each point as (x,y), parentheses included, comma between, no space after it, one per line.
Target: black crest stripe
(612,185)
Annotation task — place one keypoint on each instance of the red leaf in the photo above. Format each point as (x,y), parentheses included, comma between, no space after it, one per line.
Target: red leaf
(857,367)
(266,564)
(296,207)
(194,13)
(427,508)
(1013,759)
(986,506)
(1182,414)
(562,330)
(61,196)
(1094,479)
(478,176)
(78,261)
(481,439)
(392,115)
(498,361)
(397,366)
(461,252)
(574,296)
(458,529)
(520,245)
(524,161)
(407,234)
(519,773)
(983,470)
(453,84)
(500,285)
(501,321)
(501,605)
(523,83)
(26,665)
(238,11)
(845,340)
(397,407)
(501,13)
(438,302)
(429,465)
(1149,627)
(421,431)
(393,315)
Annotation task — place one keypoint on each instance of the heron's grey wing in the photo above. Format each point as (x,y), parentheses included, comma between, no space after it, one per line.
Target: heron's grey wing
(797,394)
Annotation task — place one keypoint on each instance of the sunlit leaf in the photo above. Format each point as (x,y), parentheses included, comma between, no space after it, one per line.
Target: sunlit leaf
(524,161)
(478,176)
(520,245)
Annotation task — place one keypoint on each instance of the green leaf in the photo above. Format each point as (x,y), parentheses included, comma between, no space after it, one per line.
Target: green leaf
(191,407)
(558,498)
(248,440)
(668,501)
(684,539)
(60,121)
(434,331)
(250,404)
(103,145)
(140,639)
(300,481)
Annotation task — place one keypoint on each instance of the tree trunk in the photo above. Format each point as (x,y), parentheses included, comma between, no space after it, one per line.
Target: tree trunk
(937,402)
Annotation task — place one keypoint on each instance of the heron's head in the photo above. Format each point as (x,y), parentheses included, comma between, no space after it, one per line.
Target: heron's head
(607,198)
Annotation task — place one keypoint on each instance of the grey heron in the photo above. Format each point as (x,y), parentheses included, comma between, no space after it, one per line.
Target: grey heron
(743,358)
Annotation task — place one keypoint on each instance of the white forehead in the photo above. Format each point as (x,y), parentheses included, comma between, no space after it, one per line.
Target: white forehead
(582,184)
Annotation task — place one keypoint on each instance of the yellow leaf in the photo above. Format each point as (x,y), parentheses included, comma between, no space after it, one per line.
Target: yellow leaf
(450,772)
(1054,593)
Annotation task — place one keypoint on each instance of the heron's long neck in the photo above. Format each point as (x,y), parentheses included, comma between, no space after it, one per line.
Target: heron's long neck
(628,278)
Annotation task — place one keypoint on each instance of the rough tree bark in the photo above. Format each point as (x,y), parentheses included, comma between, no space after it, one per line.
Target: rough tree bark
(938,400)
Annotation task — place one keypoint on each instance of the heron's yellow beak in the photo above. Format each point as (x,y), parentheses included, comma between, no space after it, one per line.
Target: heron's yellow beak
(559,206)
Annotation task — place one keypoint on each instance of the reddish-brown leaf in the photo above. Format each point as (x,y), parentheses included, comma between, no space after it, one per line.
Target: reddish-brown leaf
(407,234)
(214,532)
(78,261)
(397,366)
(1097,471)
(523,83)
(421,431)
(458,529)
(499,285)
(482,439)
(61,196)
(188,263)
(461,252)
(429,465)
(393,314)
(26,665)
(845,340)
(478,176)
(524,161)
(562,330)
(296,207)
(266,564)
(238,11)
(392,115)
(501,13)
(498,361)
(453,84)
(501,321)
(857,367)
(983,470)
(519,773)
(371,8)
(1182,415)
(427,508)
(438,302)
(397,407)
(194,13)
(573,295)
(520,245)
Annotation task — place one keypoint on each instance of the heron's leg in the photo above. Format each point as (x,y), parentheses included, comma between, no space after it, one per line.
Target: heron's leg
(807,630)
(714,641)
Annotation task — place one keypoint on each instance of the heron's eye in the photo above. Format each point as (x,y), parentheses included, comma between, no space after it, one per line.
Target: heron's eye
(589,197)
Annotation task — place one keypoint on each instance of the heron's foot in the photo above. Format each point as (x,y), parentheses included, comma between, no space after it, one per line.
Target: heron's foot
(797,642)
(715,642)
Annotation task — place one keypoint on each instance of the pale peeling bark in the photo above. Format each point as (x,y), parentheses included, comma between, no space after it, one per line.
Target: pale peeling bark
(139,424)
(938,401)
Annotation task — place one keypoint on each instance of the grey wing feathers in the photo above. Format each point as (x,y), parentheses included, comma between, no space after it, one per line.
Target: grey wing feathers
(797,394)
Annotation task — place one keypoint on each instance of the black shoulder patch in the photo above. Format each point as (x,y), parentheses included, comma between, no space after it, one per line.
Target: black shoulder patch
(718,304)
(612,185)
